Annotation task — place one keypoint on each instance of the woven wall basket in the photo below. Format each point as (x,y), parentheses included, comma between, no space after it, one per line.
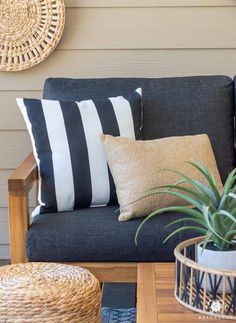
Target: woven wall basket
(29,31)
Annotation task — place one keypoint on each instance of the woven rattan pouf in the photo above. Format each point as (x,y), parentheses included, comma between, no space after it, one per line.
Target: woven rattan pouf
(48,292)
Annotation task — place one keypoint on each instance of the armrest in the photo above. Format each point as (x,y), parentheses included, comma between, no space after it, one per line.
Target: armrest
(19,185)
(23,177)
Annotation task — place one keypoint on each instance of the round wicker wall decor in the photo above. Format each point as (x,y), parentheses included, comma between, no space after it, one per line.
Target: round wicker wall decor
(29,31)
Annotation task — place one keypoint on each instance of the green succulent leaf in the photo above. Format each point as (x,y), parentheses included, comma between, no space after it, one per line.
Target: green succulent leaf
(209,223)
(205,190)
(223,203)
(208,176)
(232,195)
(214,212)
(184,197)
(206,240)
(232,203)
(194,213)
(200,187)
(182,181)
(201,197)
(230,235)
(229,182)
(226,214)
(186,219)
(186,228)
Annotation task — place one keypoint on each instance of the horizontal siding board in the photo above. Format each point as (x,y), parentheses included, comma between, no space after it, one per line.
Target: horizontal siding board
(3,214)
(115,38)
(146,3)
(4,252)
(4,236)
(118,63)
(4,174)
(4,225)
(11,117)
(15,146)
(4,229)
(150,28)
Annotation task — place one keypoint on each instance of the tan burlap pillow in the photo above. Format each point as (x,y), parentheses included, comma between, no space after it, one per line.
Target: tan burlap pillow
(136,167)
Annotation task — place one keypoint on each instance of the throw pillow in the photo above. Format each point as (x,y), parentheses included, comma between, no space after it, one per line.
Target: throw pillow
(137,167)
(73,171)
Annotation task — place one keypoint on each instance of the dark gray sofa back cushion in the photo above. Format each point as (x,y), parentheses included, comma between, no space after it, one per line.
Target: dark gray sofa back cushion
(172,106)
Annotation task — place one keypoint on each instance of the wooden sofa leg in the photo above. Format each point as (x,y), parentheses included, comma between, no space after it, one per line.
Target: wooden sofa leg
(19,224)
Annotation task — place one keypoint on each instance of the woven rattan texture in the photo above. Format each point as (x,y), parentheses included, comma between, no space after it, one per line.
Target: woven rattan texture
(44,292)
(29,31)
(206,290)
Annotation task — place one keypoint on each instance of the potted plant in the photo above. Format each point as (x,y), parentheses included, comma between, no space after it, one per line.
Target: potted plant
(213,215)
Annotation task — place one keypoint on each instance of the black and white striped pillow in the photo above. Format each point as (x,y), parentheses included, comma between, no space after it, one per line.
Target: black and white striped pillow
(73,172)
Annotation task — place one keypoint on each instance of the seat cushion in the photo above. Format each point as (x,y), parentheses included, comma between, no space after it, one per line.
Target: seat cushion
(95,234)
(175,106)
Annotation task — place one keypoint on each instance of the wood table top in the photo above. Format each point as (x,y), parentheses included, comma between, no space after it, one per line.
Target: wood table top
(156,302)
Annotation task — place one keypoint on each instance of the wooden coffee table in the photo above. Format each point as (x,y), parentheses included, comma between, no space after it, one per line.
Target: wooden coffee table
(156,302)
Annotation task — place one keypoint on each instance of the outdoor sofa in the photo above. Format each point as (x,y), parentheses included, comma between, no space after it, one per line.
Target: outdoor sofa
(93,237)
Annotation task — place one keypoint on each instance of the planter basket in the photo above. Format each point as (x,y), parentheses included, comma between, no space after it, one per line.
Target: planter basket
(191,282)
(29,31)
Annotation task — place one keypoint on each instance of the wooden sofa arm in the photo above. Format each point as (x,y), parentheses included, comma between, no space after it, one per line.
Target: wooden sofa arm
(19,185)
(23,177)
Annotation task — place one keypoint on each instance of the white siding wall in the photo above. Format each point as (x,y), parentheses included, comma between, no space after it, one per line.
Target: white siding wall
(105,38)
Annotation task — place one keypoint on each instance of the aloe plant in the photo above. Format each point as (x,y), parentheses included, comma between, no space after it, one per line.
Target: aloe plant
(214,212)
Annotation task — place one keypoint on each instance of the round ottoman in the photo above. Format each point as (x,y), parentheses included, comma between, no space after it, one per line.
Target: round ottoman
(48,292)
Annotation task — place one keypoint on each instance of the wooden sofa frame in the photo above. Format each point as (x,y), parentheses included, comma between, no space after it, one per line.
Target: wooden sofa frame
(19,185)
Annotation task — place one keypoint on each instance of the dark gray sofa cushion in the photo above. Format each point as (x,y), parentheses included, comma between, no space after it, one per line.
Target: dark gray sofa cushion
(172,106)
(96,235)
